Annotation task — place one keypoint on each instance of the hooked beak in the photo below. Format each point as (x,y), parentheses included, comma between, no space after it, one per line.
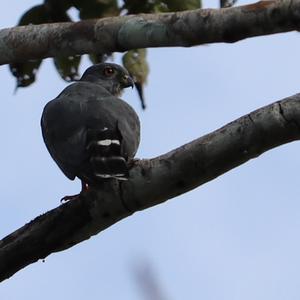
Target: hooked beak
(127,81)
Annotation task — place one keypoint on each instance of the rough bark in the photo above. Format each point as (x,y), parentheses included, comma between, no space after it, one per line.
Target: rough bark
(152,181)
(118,34)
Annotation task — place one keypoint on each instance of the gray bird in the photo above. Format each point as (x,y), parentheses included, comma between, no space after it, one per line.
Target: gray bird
(89,132)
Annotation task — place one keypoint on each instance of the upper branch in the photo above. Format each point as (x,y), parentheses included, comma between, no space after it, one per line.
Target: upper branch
(152,182)
(118,34)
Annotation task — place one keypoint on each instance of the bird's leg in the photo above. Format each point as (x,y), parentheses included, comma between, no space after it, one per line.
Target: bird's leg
(84,187)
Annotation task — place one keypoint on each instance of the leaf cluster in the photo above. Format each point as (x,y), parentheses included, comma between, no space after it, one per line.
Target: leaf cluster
(51,11)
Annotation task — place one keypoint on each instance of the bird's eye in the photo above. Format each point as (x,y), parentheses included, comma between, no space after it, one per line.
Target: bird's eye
(108,71)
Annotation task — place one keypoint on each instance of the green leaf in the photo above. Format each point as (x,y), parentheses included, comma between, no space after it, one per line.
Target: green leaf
(67,67)
(58,5)
(135,61)
(57,10)
(138,6)
(154,6)
(51,11)
(91,9)
(25,72)
(36,15)
(99,58)
(179,5)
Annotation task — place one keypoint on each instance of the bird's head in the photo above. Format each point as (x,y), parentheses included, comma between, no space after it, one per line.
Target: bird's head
(112,77)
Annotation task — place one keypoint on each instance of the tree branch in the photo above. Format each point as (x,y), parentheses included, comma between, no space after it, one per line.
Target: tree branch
(118,34)
(152,181)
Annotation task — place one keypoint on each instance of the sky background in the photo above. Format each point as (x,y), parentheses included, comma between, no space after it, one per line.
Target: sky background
(236,237)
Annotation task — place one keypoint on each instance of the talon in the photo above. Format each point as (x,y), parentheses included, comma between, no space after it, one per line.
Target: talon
(69,198)
(84,187)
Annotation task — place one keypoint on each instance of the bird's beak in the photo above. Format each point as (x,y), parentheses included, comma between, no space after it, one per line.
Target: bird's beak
(127,81)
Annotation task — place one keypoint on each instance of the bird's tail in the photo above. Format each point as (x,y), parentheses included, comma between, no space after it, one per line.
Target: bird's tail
(106,161)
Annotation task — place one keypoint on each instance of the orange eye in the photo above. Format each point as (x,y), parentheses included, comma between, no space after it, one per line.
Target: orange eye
(108,71)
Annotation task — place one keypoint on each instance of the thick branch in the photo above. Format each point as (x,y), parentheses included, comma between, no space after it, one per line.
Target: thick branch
(118,34)
(152,182)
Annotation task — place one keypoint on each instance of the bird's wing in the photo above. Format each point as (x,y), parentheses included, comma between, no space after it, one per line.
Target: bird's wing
(64,134)
(116,114)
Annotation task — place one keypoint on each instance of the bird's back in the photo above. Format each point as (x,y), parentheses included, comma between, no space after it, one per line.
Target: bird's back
(79,111)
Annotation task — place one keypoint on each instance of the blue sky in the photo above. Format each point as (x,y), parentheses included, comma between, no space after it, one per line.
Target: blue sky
(236,237)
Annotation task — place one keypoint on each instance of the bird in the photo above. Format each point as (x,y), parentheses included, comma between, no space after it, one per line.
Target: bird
(89,131)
